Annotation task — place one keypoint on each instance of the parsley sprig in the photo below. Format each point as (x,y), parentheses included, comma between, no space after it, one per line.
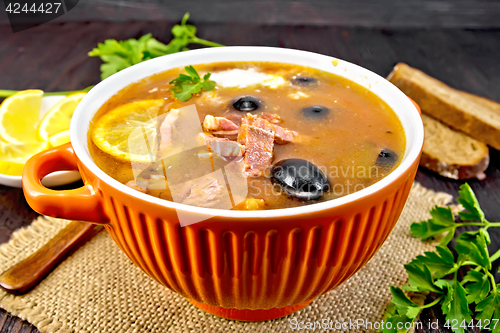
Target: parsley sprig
(437,272)
(185,85)
(118,55)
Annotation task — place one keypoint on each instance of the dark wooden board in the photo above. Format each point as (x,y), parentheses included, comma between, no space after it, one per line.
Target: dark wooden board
(53,57)
(367,13)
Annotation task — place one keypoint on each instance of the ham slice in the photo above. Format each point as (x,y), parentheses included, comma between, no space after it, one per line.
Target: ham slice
(259,145)
(272,118)
(223,147)
(212,123)
(256,136)
(226,127)
(231,135)
(235,118)
(264,124)
(283,135)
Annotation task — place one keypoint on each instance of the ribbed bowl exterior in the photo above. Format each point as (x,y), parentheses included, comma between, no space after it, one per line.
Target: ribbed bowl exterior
(248,263)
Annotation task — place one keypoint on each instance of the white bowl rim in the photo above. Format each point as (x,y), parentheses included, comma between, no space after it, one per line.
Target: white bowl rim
(116,82)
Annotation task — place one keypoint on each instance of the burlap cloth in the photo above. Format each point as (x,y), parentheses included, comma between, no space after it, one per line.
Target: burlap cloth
(98,289)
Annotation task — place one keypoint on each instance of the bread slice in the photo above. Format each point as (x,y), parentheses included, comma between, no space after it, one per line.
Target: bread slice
(452,154)
(476,116)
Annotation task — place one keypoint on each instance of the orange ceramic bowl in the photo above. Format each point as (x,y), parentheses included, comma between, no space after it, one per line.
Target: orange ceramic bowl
(246,265)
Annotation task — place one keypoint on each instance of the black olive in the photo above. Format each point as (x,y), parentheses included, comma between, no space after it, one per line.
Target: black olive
(300,179)
(304,81)
(315,111)
(387,158)
(246,103)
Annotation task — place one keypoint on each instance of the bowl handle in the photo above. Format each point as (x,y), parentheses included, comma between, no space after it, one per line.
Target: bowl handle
(78,204)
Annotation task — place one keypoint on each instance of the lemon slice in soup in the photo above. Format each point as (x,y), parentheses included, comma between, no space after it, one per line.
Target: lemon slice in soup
(128,132)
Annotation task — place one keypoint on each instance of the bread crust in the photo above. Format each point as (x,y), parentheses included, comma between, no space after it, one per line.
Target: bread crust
(453,115)
(455,171)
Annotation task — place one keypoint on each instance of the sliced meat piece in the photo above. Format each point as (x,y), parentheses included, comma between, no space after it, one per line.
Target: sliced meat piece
(281,135)
(284,135)
(207,192)
(133,184)
(231,135)
(259,145)
(212,123)
(264,124)
(235,118)
(272,118)
(247,119)
(166,128)
(226,149)
(223,146)
(210,138)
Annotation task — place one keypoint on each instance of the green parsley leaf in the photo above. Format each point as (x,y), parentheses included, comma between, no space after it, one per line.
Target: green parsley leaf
(181,79)
(469,201)
(439,263)
(186,91)
(454,304)
(441,221)
(473,246)
(420,278)
(400,310)
(496,321)
(208,85)
(185,85)
(412,312)
(400,300)
(490,307)
(195,77)
(113,64)
(118,55)
(390,311)
(479,288)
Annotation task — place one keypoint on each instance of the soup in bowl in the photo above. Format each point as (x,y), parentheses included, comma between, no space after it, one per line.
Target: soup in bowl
(281,135)
(254,194)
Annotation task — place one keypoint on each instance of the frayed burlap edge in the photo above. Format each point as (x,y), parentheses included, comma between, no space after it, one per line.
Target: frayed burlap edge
(27,240)
(23,243)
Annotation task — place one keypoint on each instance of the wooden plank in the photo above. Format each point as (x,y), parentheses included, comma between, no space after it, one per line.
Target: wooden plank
(14,212)
(16,328)
(3,318)
(12,324)
(9,322)
(390,13)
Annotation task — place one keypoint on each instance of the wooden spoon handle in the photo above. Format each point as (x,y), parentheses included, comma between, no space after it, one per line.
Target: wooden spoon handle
(26,274)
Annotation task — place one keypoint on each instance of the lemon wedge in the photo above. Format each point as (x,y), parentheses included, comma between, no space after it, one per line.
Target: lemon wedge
(20,153)
(19,116)
(58,118)
(59,138)
(11,168)
(128,132)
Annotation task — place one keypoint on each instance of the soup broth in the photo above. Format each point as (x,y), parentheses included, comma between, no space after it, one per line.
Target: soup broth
(277,118)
